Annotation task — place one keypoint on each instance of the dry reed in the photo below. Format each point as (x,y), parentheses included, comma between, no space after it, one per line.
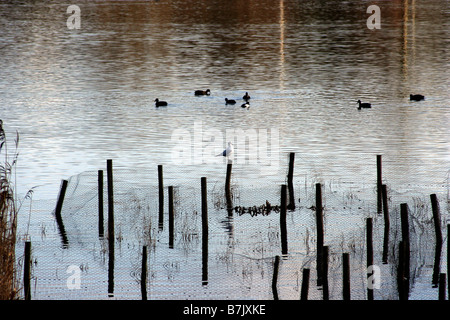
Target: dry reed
(8,222)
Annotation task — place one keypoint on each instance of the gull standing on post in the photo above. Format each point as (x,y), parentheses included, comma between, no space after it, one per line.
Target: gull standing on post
(227,152)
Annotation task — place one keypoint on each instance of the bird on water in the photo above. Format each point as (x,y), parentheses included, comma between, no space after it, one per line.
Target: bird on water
(363,105)
(246,96)
(230,101)
(206,92)
(416,97)
(160,103)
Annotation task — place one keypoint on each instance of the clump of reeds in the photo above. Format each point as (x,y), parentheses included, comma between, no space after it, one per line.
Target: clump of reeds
(8,222)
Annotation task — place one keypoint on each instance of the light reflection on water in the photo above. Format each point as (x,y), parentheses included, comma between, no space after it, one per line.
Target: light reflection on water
(79,97)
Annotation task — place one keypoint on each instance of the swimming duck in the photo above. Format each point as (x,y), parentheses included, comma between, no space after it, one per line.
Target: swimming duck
(363,105)
(228,101)
(160,103)
(246,105)
(416,97)
(246,96)
(202,93)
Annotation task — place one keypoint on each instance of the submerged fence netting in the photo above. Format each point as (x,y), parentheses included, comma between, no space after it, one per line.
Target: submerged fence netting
(71,259)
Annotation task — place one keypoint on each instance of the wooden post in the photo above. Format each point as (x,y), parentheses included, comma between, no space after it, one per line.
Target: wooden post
(109,169)
(448,258)
(26,271)
(58,216)
(171,217)
(369,241)
(284,245)
(437,264)
(228,178)
(305,284)
(101,231)
(386,224)
(204,232)
(291,205)
(406,244)
(59,204)
(404,222)
(346,276)
(379,182)
(144,274)
(385,202)
(275,277)
(161,197)
(401,272)
(228,190)
(442,281)
(320,236)
(439,241)
(326,292)
(438,248)
(436,217)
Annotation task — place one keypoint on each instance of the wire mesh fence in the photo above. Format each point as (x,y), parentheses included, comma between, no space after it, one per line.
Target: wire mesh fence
(72,259)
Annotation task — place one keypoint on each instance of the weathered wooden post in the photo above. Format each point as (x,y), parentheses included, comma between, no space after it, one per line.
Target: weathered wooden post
(346,276)
(26,271)
(436,217)
(58,216)
(275,277)
(379,182)
(448,258)
(284,245)
(291,205)
(161,197)
(101,231)
(111,237)
(171,217)
(305,284)
(438,232)
(228,178)
(144,273)
(109,168)
(369,242)
(401,278)
(406,244)
(204,231)
(442,281)
(228,190)
(325,289)
(386,224)
(385,202)
(59,203)
(320,236)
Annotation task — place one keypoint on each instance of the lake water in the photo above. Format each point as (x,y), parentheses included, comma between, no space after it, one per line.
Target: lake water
(80,96)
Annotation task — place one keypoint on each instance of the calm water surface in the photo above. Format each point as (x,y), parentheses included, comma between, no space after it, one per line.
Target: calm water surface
(79,97)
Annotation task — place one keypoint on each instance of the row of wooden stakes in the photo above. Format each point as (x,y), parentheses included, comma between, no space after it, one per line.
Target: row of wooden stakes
(322,250)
